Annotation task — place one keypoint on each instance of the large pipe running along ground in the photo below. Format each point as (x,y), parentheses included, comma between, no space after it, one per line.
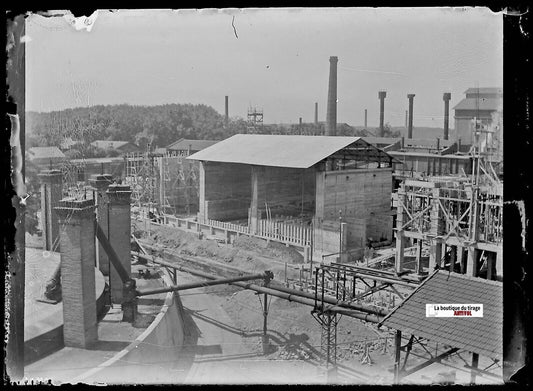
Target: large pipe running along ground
(350,310)
(174,288)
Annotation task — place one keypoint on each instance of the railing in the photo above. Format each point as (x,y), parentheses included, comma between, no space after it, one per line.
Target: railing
(290,233)
(224,225)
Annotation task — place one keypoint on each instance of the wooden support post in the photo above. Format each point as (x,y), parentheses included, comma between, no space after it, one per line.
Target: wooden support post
(462,259)
(453,257)
(499,264)
(397,355)
(473,372)
(471,263)
(435,255)
(400,246)
(265,317)
(418,266)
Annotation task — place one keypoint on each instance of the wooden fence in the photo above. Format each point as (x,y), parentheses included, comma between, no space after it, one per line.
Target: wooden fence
(300,235)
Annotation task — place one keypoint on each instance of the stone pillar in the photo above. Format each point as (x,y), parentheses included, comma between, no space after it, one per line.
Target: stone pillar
(254,207)
(471,262)
(77,271)
(119,235)
(51,194)
(101,184)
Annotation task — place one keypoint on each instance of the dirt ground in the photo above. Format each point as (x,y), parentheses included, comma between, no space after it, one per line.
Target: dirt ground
(248,254)
(294,334)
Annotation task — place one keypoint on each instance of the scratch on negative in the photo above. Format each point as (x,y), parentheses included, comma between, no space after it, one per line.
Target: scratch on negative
(233,25)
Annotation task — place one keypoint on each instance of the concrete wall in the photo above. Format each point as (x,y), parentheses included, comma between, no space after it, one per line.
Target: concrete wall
(156,351)
(356,193)
(363,196)
(225,191)
(285,190)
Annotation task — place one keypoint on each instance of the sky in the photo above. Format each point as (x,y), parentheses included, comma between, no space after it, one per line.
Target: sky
(274,59)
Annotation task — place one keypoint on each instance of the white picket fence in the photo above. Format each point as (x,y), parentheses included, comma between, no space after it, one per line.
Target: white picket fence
(296,234)
(224,225)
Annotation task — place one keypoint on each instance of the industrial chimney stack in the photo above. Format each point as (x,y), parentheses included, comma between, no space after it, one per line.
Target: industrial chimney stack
(331,116)
(226,117)
(366,117)
(316,113)
(446,97)
(381,96)
(410,127)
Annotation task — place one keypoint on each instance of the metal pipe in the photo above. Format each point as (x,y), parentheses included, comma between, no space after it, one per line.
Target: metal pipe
(298,297)
(192,285)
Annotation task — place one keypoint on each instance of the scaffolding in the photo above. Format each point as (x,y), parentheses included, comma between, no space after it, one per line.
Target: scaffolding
(255,120)
(163,184)
(457,214)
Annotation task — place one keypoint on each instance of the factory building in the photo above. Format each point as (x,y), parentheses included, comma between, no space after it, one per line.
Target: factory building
(318,185)
(485,104)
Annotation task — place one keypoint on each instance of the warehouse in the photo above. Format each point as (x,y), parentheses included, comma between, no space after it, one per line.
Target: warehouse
(310,184)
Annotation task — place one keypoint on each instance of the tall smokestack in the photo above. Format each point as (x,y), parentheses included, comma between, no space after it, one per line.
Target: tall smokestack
(406,119)
(410,127)
(331,116)
(226,118)
(316,113)
(446,97)
(381,96)
(366,117)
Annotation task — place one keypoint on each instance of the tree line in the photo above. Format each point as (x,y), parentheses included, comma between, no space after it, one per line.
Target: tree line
(154,126)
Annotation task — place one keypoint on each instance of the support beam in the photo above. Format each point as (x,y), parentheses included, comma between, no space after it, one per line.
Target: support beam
(471,263)
(473,372)
(400,247)
(397,355)
(429,362)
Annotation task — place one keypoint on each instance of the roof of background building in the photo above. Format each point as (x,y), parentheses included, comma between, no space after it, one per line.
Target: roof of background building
(287,151)
(110,144)
(46,153)
(481,335)
(491,104)
(484,90)
(194,145)
(381,140)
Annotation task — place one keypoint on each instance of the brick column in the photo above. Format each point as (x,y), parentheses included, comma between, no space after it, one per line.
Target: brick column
(51,194)
(77,271)
(119,234)
(101,183)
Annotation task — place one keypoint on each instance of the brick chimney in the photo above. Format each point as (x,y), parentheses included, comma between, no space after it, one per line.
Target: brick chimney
(381,97)
(119,235)
(410,127)
(101,183)
(331,115)
(446,97)
(78,252)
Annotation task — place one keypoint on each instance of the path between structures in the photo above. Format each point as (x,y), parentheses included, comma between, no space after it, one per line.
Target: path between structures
(218,352)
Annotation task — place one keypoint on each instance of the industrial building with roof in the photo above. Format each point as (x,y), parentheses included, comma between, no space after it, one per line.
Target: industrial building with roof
(315,181)
(120,146)
(485,104)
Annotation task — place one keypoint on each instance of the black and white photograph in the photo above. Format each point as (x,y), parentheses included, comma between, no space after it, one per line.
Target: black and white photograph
(259,196)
